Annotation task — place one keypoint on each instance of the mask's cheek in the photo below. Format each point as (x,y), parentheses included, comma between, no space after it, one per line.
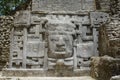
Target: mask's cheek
(68,47)
(52,46)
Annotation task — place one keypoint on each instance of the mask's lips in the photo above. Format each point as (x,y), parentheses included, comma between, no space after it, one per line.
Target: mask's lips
(60,50)
(60,53)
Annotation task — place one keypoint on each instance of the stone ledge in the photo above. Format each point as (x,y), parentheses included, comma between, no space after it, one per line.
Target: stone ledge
(47,78)
(44,73)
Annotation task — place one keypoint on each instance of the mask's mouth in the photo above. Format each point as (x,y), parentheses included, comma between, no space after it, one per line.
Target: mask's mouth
(61,54)
(60,50)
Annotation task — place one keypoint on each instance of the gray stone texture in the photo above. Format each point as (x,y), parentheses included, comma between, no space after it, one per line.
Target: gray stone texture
(22,18)
(63,5)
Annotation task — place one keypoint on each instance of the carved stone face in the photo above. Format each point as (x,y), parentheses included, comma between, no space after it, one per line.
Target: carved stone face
(60,40)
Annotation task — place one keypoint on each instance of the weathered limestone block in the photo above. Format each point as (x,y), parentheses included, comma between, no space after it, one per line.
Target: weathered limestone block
(98,18)
(22,18)
(103,68)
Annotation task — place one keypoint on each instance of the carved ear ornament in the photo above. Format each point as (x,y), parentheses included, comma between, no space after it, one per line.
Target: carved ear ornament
(44,21)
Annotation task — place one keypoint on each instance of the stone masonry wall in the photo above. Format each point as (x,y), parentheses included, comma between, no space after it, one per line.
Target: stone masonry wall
(103,5)
(109,39)
(6,23)
(103,68)
(113,31)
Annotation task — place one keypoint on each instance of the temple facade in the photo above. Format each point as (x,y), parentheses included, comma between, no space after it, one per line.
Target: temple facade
(56,33)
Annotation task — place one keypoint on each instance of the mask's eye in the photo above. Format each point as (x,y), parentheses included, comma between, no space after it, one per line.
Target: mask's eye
(66,39)
(57,39)
(54,39)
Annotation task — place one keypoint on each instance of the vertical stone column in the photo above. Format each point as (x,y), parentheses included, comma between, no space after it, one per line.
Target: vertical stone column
(45,59)
(75,59)
(24,47)
(95,40)
(11,47)
(37,30)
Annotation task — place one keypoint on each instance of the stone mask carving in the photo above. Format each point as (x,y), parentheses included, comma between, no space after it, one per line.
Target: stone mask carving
(60,39)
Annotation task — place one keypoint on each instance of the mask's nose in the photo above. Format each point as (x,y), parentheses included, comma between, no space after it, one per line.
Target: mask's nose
(60,43)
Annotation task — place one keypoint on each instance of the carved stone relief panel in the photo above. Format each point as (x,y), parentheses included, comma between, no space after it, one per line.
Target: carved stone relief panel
(50,40)
(98,18)
(22,18)
(60,41)
(17,48)
(35,55)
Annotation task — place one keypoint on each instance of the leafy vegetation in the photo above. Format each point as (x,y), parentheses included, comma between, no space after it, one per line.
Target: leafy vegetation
(6,6)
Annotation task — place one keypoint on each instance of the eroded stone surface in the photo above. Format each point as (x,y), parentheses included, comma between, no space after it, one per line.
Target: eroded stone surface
(58,40)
